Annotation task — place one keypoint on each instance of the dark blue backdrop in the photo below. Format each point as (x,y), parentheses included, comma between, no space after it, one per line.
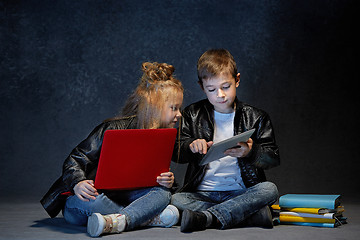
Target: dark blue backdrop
(67,65)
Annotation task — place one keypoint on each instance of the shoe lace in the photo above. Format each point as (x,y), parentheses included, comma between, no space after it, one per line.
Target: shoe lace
(155,220)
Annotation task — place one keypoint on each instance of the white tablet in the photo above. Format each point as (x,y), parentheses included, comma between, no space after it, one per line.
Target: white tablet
(217,150)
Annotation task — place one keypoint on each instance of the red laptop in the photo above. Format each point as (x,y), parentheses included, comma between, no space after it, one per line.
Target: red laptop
(133,158)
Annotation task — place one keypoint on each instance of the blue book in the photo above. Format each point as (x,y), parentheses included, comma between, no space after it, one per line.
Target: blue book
(328,225)
(309,201)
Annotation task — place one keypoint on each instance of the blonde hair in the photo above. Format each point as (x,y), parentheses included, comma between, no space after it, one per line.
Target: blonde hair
(157,86)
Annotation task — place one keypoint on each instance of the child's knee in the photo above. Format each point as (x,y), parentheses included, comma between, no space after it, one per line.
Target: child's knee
(174,199)
(177,200)
(272,190)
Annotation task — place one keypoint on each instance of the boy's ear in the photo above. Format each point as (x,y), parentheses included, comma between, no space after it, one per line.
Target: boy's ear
(237,80)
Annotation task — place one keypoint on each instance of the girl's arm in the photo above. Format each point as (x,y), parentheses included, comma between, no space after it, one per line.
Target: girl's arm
(84,158)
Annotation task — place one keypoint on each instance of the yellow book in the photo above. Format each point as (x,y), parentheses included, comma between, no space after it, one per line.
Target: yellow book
(303,210)
(288,218)
(275,206)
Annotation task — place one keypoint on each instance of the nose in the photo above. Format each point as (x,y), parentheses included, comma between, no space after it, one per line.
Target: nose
(178,114)
(220,93)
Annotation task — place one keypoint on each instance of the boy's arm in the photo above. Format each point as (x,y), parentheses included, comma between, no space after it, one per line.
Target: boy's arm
(182,153)
(265,152)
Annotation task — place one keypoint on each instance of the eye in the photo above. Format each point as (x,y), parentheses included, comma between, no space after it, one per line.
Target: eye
(211,89)
(226,86)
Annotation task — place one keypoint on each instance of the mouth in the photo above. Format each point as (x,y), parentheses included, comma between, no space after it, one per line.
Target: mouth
(173,122)
(222,102)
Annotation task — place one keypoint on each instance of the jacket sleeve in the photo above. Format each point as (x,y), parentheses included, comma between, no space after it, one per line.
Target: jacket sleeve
(84,158)
(265,152)
(182,152)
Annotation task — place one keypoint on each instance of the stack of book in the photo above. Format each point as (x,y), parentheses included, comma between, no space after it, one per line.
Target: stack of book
(310,210)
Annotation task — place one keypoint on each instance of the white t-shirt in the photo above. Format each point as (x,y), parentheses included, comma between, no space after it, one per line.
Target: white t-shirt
(223,174)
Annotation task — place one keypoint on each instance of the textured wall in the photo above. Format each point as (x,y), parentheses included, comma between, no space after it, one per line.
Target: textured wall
(67,65)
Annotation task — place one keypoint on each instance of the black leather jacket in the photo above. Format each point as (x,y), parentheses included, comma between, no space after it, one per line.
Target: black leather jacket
(81,164)
(198,123)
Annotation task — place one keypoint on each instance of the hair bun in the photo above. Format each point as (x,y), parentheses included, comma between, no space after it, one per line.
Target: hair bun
(157,71)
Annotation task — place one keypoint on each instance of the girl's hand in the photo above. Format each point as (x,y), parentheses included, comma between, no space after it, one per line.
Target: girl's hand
(241,150)
(166,179)
(85,190)
(200,146)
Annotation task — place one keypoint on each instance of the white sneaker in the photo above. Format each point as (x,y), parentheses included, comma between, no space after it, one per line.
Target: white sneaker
(167,218)
(99,224)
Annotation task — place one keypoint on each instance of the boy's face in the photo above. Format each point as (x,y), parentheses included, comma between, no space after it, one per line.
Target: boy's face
(221,91)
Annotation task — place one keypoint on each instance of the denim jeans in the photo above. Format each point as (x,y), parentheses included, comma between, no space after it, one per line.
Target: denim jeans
(139,206)
(229,207)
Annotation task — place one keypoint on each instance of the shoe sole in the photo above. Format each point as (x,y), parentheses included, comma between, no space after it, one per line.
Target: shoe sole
(184,220)
(95,225)
(269,224)
(175,212)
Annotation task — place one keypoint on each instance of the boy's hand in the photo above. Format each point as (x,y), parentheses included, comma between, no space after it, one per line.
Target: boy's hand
(241,150)
(200,146)
(166,179)
(85,190)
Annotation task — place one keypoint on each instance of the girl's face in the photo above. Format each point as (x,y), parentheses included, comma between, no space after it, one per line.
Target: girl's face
(221,91)
(171,112)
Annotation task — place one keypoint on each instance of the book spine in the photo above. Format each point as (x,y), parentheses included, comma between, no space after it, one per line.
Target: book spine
(309,201)
(308,215)
(303,210)
(328,225)
(287,218)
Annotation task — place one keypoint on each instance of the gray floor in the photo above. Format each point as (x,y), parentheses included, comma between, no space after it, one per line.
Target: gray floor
(29,221)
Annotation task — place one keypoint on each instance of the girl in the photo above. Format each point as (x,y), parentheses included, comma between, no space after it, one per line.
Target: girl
(155,103)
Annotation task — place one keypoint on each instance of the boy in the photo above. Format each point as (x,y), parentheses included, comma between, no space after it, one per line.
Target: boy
(231,191)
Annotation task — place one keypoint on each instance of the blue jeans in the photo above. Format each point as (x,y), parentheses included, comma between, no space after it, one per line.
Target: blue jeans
(138,206)
(229,207)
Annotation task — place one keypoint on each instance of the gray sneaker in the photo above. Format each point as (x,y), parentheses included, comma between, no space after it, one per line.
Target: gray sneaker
(99,224)
(167,218)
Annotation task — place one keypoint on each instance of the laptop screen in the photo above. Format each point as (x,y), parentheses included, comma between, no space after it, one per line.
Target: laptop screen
(133,158)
